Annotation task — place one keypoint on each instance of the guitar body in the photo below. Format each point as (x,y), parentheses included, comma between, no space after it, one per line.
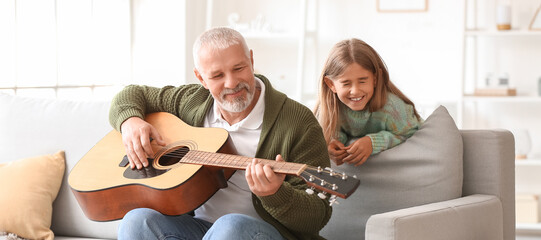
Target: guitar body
(107,188)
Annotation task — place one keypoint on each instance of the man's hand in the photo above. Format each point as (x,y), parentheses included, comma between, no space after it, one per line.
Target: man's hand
(359,151)
(337,151)
(263,181)
(136,134)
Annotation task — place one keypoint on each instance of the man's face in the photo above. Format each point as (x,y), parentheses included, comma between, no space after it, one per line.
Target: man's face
(228,75)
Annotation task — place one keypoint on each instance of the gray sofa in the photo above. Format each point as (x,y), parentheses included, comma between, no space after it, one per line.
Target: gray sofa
(481,207)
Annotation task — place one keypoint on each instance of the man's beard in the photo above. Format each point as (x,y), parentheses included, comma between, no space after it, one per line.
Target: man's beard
(238,104)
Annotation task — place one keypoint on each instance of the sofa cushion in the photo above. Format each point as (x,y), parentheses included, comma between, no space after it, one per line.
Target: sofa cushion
(426,168)
(28,188)
(33,127)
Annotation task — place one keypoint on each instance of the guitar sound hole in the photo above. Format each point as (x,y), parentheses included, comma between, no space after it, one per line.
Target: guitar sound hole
(173,157)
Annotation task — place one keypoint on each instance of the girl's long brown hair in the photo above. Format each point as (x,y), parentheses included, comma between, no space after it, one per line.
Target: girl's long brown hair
(341,56)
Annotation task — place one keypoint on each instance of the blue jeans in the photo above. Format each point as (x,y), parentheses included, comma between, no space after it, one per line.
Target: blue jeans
(144,223)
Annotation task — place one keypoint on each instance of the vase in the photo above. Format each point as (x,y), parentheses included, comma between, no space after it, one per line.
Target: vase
(523,143)
(503,17)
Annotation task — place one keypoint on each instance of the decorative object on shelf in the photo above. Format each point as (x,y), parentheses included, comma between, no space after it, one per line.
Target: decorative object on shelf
(523,143)
(496,87)
(402,5)
(527,208)
(503,17)
(233,20)
(488,80)
(257,25)
(495,92)
(503,80)
(536,20)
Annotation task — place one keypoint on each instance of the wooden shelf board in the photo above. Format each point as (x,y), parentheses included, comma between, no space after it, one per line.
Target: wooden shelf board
(529,226)
(497,33)
(502,99)
(269,35)
(528,162)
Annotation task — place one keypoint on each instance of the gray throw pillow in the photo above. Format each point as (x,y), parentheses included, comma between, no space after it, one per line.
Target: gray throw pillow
(426,168)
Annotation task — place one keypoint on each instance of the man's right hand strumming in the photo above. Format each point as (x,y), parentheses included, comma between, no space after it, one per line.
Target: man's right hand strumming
(136,136)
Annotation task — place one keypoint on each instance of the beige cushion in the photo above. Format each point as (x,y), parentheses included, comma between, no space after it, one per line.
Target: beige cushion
(426,168)
(28,188)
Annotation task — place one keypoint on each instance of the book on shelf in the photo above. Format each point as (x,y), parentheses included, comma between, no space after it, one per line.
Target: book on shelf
(495,92)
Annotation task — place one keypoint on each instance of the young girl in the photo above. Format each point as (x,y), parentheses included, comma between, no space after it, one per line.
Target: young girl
(358,101)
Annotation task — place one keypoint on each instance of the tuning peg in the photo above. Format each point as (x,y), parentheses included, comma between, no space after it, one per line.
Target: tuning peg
(344,176)
(319,170)
(334,187)
(310,190)
(322,195)
(332,200)
(331,172)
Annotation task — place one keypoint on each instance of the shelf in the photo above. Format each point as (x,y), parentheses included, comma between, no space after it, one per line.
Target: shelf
(529,226)
(503,33)
(276,35)
(269,35)
(528,162)
(511,99)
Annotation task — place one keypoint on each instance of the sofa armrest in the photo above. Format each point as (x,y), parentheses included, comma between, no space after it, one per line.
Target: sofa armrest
(471,217)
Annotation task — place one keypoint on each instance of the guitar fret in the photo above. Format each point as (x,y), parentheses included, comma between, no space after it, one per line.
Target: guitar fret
(226,160)
(243,161)
(231,160)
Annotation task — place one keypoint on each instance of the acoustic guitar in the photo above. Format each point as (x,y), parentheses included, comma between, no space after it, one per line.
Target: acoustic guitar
(181,176)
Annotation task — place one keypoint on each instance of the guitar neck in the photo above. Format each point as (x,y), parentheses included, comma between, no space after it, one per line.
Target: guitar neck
(239,162)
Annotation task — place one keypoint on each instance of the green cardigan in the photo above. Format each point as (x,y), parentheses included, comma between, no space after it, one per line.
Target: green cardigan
(289,128)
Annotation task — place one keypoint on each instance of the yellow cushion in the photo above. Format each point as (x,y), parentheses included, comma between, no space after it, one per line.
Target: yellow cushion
(28,188)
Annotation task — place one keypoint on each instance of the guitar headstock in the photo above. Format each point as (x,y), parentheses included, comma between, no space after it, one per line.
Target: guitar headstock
(330,181)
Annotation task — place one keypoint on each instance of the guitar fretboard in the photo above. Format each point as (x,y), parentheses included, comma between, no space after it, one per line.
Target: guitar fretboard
(239,162)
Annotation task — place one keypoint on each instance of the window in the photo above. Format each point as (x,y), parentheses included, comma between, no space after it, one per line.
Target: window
(89,49)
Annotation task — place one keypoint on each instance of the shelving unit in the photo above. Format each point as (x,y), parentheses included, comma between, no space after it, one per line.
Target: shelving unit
(518,53)
(287,47)
(488,50)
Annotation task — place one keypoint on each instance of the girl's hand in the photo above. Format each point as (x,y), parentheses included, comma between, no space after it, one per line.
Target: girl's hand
(337,151)
(359,151)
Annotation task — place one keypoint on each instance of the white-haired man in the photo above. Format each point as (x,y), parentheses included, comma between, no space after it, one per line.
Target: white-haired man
(258,203)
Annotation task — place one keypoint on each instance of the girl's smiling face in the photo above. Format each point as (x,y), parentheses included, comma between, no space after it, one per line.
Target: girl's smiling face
(355,87)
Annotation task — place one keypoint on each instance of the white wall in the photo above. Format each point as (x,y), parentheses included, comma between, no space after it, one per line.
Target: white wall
(158,40)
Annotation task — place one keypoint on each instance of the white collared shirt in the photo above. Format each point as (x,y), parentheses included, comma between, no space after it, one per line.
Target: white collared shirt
(237,197)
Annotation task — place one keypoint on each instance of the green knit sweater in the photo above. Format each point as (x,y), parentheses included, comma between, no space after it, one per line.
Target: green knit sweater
(289,128)
(388,127)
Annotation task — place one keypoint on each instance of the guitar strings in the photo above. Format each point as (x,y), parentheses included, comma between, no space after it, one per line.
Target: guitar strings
(181,152)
